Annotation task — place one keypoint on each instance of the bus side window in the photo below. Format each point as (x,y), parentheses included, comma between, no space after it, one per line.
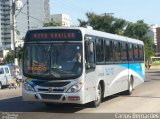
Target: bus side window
(130,52)
(124,51)
(141,53)
(90,54)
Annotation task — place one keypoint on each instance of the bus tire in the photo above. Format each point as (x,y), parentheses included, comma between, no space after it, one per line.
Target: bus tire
(0,85)
(130,86)
(98,100)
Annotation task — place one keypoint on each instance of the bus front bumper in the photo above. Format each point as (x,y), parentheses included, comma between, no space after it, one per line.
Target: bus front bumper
(76,98)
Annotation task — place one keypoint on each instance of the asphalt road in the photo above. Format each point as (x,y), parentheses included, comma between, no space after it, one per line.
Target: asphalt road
(145,99)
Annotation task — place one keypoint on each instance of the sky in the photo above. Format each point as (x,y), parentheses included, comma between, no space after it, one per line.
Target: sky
(130,10)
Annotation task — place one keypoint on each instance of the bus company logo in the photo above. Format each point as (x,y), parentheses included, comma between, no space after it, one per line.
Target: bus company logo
(50,90)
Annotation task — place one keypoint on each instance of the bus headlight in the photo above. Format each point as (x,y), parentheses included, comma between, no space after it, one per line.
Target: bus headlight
(75,88)
(28,87)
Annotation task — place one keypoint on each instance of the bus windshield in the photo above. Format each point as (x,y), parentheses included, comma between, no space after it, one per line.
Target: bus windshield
(53,61)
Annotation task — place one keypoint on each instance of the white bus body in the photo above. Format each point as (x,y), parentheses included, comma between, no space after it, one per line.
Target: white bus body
(97,79)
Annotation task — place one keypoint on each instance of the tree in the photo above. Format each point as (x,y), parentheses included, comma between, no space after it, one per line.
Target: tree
(52,24)
(9,57)
(149,48)
(138,30)
(106,23)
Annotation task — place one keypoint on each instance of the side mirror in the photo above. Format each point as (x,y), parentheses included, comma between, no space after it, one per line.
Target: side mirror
(88,66)
(92,66)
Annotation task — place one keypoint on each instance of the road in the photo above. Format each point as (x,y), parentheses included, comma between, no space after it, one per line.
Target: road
(145,99)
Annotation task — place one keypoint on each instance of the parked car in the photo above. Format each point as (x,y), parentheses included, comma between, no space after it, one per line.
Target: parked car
(5,76)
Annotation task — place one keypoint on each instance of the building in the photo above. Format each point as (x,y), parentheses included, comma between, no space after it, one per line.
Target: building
(61,18)
(5,26)
(33,15)
(153,33)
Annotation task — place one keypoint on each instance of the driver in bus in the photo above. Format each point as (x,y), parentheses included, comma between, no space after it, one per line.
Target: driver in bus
(77,68)
(77,57)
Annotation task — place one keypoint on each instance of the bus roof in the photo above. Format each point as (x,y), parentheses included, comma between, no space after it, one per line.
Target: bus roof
(96,33)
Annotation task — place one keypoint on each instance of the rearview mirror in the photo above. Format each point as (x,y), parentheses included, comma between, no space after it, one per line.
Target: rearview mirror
(90,66)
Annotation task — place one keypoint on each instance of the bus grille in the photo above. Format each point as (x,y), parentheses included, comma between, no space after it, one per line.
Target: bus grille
(52,84)
(52,97)
(47,90)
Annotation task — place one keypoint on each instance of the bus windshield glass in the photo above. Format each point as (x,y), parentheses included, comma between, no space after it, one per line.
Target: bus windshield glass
(53,61)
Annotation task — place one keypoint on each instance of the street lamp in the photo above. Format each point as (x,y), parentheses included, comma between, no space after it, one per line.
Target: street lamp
(16,5)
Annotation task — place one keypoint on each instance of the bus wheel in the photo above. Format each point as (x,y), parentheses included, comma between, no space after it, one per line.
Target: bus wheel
(97,102)
(0,85)
(130,87)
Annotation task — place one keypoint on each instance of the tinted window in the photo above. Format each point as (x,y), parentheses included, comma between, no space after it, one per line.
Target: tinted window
(107,51)
(116,51)
(130,50)
(136,55)
(124,52)
(6,70)
(99,50)
(141,53)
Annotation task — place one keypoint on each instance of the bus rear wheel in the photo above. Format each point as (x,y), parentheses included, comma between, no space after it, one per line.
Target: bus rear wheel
(0,85)
(130,87)
(98,100)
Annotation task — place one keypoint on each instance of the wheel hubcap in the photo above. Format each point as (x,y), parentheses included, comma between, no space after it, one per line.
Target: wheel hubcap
(131,87)
(98,95)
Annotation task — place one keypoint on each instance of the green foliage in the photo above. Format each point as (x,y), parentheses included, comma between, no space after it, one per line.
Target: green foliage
(106,23)
(9,57)
(138,30)
(149,50)
(52,24)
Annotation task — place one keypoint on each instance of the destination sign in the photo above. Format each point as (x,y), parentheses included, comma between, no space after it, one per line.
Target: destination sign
(54,35)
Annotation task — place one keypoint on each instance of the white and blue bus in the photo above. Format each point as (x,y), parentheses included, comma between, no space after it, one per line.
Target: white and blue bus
(79,65)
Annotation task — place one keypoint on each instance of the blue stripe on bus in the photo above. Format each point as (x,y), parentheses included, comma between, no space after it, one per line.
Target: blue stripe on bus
(136,68)
(33,84)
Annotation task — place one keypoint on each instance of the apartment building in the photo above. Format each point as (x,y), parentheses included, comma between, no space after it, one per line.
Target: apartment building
(64,19)
(5,26)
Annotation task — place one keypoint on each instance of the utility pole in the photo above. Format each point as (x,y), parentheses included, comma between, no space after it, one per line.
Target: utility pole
(28,14)
(16,5)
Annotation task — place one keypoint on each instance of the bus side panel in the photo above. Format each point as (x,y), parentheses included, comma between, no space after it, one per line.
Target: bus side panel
(116,79)
(137,70)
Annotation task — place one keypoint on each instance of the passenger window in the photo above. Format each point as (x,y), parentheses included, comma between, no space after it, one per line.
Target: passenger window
(99,50)
(6,70)
(141,53)
(130,52)
(124,52)
(116,51)
(112,50)
(136,53)
(107,51)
